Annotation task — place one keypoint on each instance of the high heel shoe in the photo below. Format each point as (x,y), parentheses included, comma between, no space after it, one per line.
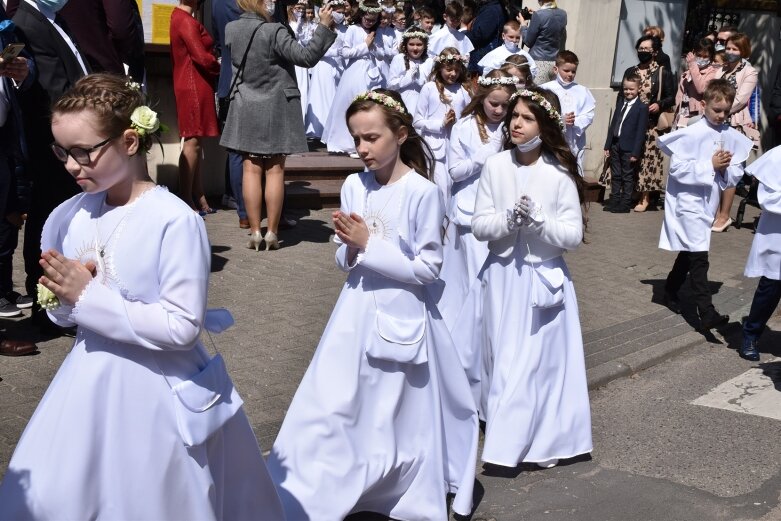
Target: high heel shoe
(724,227)
(272,243)
(255,240)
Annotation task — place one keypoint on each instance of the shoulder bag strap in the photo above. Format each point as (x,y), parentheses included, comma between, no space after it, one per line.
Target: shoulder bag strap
(659,91)
(240,70)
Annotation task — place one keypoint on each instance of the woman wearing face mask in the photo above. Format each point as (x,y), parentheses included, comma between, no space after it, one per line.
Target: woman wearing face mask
(700,70)
(741,75)
(264,122)
(657,90)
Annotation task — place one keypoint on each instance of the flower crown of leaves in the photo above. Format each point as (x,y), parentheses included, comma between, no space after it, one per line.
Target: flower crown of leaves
(366,9)
(414,33)
(337,2)
(382,99)
(447,58)
(504,80)
(545,104)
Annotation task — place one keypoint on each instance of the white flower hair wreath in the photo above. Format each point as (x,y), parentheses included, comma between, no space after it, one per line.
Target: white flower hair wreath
(451,58)
(487,82)
(414,34)
(366,9)
(382,99)
(545,104)
(337,2)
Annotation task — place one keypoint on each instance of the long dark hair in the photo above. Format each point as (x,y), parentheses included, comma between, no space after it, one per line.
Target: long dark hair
(439,65)
(553,142)
(414,151)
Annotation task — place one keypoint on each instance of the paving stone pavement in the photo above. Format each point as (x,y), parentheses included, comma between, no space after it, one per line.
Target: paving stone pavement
(282,300)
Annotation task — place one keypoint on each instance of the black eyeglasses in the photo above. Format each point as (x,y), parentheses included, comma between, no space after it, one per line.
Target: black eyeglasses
(80,155)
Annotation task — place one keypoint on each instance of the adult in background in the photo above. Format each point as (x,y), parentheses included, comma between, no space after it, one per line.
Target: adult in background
(195,70)
(59,65)
(543,35)
(775,109)
(657,90)
(224,12)
(699,71)
(661,58)
(485,32)
(264,121)
(741,75)
(18,73)
(109,34)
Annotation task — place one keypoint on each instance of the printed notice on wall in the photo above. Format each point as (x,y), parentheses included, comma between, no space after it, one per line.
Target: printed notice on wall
(156,15)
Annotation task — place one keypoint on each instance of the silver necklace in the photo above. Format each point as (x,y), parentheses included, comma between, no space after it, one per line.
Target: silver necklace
(101,249)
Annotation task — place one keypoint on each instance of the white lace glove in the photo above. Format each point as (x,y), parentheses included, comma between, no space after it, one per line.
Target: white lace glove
(521,213)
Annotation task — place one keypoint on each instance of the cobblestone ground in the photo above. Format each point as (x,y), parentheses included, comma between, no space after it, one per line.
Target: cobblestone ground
(282,299)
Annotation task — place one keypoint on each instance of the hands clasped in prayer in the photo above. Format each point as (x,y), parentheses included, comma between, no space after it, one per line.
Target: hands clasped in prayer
(65,277)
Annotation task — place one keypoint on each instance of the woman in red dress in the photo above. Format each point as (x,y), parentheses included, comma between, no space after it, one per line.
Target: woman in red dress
(195,71)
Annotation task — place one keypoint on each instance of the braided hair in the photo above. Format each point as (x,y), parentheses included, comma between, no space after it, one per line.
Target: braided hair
(111,98)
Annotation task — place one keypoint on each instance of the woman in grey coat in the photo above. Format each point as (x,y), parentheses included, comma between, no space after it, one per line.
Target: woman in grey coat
(543,35)
(264,121)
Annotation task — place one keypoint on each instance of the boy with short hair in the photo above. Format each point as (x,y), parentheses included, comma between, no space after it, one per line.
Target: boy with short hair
(705,159)
(425,18)
(511,36)
(449,35)
(577,103)
(624,144)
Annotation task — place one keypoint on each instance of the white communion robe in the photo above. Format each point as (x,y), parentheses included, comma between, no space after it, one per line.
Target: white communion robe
(303,31)
(447,37)
(496,58)
(361,73)
(385,51)
(429,122)
(764,259)
(577,99)
(382,420)
(535,397)
(463,255)
(693,190)
(408,82)
(103,442)
(323,81)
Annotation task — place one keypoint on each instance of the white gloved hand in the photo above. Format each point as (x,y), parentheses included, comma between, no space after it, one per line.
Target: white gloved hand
(521,214)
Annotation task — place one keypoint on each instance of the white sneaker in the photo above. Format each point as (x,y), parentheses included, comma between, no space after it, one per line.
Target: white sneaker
(548,464)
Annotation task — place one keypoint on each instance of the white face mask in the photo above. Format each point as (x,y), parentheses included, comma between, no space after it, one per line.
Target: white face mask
(297,14)
(271,7)
(562,82)
(338,17)
(511,46)
(533,144)
(719,47)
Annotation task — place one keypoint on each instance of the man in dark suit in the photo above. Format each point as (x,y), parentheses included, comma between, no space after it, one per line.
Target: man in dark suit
(110,34)
(624,144)
(16,74)
(59,66)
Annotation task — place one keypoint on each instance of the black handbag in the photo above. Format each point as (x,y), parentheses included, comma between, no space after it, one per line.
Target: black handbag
(223,105)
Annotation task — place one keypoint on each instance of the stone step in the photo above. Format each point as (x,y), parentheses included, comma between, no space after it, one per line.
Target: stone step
(320,166)
(313,194)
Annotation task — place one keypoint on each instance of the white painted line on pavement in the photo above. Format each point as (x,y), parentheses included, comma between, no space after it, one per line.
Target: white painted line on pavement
(756,392)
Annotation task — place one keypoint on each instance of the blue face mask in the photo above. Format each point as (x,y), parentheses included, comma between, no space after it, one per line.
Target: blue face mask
(52,5)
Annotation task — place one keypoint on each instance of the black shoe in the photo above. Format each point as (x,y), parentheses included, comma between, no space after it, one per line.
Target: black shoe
(8,308)
(713,321)
(749,351)
(21,301)
(608,206)
(620,208)
(672,303)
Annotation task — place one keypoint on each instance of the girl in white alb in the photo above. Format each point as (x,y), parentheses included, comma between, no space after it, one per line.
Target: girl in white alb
(528,209)
(128,263)
(440,104)
(303,25)
(387,45)
(410,69)
(383,420)
(475,137)
(325,77)
(361,73)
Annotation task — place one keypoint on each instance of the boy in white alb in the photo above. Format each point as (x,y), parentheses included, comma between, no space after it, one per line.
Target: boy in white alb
(577,103)
(764,260)
(511,36)
(449,35)
(705,159)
